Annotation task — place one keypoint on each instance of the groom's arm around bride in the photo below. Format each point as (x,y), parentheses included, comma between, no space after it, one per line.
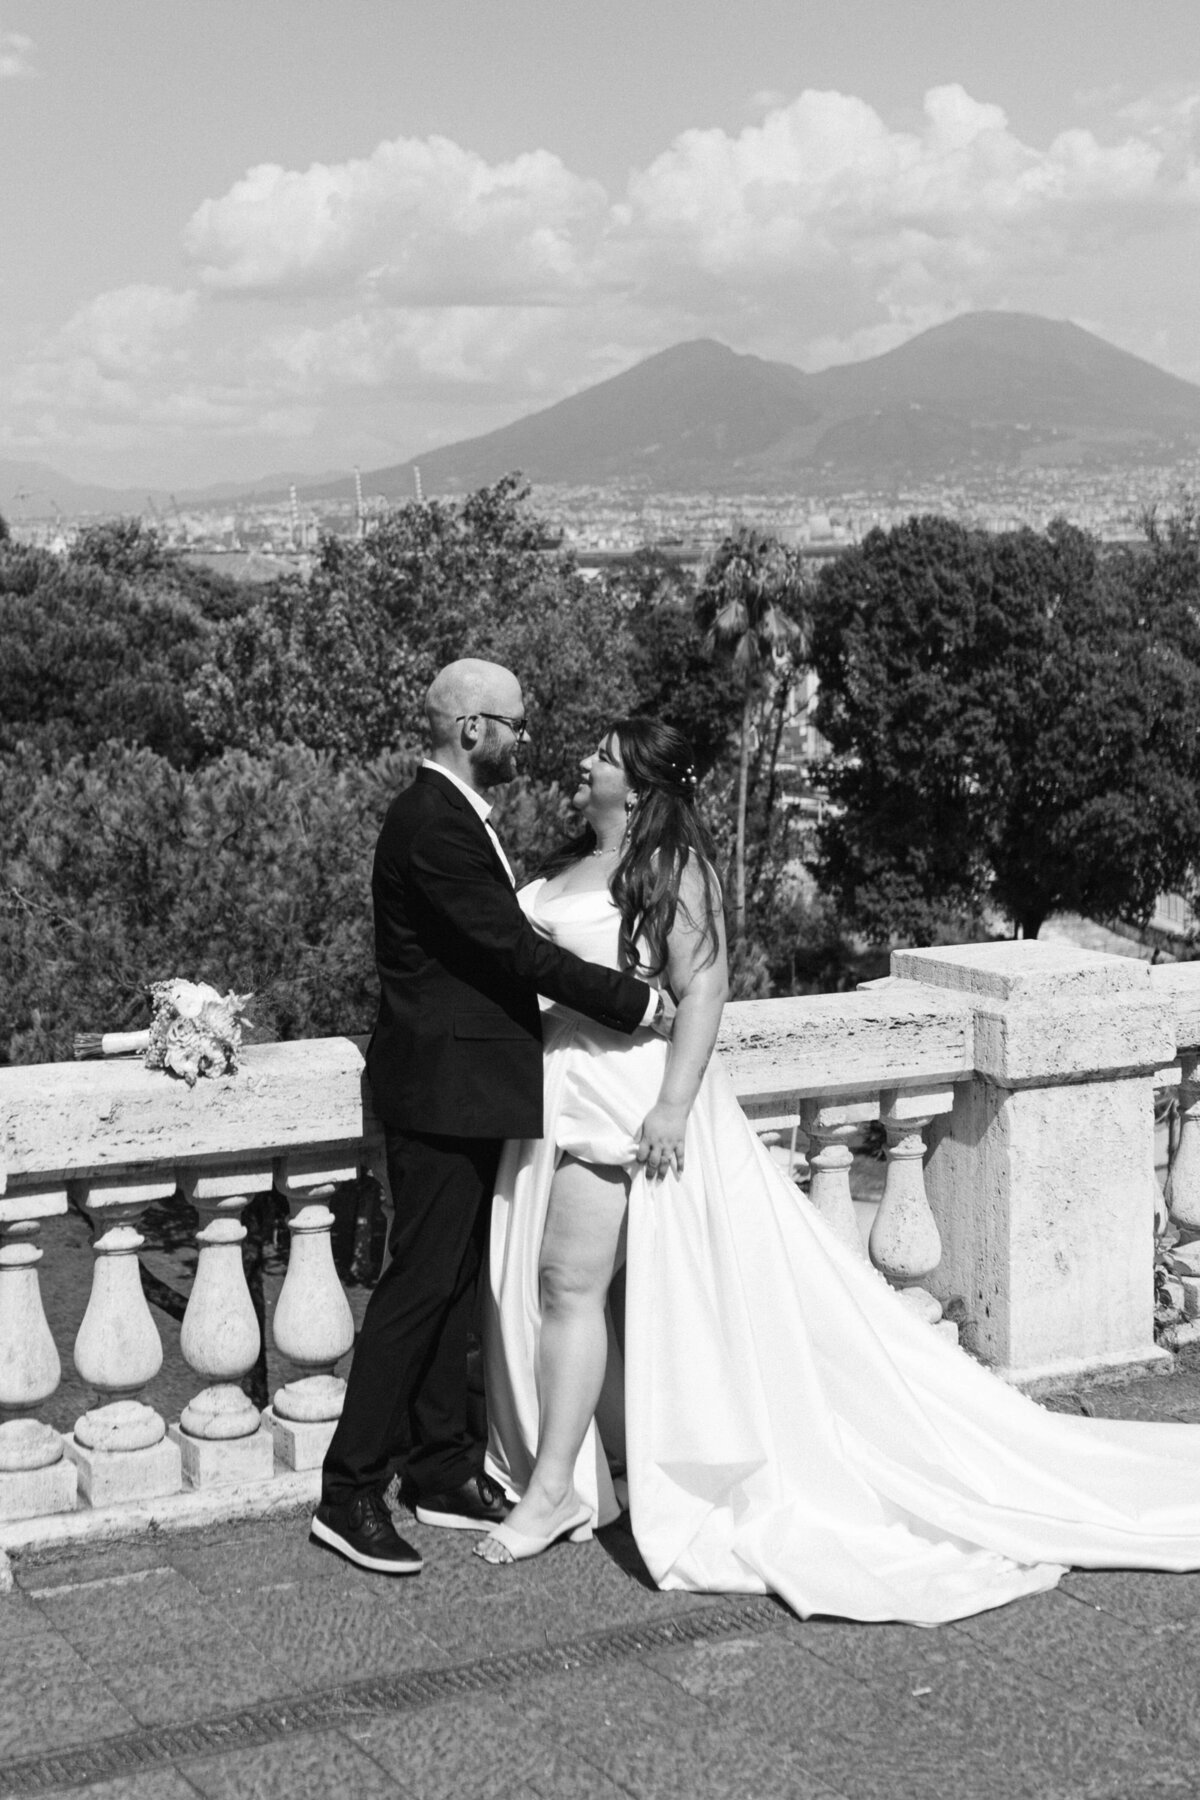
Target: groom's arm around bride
(455,1067)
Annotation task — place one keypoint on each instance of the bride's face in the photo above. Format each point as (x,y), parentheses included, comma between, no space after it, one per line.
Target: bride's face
(603,789)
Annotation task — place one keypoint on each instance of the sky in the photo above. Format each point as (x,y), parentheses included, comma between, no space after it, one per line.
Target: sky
(250,236)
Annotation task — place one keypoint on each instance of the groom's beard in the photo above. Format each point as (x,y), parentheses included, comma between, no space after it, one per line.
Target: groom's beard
(498,761)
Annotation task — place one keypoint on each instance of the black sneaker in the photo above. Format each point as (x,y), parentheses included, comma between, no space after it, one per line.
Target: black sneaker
(478,1502)
(363,1531)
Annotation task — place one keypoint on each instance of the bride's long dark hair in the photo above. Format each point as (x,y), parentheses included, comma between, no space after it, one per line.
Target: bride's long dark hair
(664,832)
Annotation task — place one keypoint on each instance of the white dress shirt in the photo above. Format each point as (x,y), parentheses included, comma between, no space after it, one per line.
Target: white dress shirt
(483,808)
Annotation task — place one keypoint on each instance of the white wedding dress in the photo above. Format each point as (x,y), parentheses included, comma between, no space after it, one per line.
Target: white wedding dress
(791,1426)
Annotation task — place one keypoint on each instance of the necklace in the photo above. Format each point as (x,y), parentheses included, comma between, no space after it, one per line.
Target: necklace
(613,852)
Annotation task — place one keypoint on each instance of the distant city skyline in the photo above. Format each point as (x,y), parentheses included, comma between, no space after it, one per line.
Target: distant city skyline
(287,236)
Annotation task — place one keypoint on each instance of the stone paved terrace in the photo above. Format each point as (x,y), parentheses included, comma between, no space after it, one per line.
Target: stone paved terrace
(243,1660)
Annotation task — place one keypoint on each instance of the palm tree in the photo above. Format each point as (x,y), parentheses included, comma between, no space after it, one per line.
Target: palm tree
(745,607)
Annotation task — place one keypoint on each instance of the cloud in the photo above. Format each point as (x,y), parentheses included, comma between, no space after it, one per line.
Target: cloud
(423,222)
(365,295)
(129,330)
(16,55)
(820,207)
(823,201)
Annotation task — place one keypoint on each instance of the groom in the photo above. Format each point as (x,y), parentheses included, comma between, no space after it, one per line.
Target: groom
(455,1067)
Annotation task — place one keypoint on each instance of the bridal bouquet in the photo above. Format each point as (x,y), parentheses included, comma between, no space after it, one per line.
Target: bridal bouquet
(195,1031)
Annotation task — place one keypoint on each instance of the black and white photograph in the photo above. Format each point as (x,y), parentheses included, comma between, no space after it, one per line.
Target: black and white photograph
(599,900)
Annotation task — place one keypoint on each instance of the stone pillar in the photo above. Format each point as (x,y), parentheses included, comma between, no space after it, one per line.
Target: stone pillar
(313,1324)
(829,1126)
(120,1448)
(35,1476)
(1041,1179)
(221,1436)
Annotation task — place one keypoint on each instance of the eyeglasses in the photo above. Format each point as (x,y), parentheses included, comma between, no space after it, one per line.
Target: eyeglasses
(518,726)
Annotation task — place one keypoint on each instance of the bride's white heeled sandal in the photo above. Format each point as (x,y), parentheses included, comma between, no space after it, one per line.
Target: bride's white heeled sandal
(503,1545)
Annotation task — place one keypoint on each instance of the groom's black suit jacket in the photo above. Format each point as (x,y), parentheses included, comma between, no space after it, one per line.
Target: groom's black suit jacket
(457,1048)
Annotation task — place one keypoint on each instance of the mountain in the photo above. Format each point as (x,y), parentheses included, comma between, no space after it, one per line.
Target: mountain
(990,389)
(36,491)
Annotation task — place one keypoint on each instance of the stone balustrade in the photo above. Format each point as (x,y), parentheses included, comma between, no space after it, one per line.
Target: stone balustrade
(1013,1084)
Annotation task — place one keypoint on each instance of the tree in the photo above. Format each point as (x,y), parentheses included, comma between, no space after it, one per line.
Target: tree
(675,678)
(1014,722)
(342,662)
(750,608)
(118,869)
(92,653)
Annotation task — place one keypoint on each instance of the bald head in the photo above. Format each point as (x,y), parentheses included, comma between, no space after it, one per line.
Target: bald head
(468,687)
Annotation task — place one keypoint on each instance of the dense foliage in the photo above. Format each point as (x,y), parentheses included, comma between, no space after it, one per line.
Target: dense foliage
(250,873)
(91,653)
(1015,723)
(192,774)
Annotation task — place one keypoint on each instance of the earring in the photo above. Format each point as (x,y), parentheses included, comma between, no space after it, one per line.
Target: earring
(630,806)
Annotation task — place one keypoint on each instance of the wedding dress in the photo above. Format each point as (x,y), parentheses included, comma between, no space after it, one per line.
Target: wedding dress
(791,1425)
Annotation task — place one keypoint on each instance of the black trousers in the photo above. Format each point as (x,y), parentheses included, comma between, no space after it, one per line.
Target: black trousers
(406,1397)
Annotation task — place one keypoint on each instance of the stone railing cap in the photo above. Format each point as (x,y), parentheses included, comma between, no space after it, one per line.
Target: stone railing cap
(1024,969)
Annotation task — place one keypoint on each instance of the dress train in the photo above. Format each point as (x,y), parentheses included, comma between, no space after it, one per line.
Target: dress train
(791,1426)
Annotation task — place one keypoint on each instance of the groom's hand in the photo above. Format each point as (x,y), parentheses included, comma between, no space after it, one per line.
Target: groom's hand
(664,1018)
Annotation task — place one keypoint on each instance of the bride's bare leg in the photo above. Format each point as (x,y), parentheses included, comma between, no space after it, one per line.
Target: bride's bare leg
(579,1252)
(610,1408)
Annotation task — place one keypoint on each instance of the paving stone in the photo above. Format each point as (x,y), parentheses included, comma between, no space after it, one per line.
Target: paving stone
(1139,1678)
(470,1747)
(95,1562)
(586,1575)
(653,1740)
(21,1617)
(1144,1597)
(979,1698)
(767,1684)
(255,1557)
(491,1626)
(155,1607)
(509,1613)
(1065,1639)
(51,1700)
(891,1659)
(1169,1780)
(177,1686)
(915,1768)
(156,1784)
(319,1635)
(308,1767)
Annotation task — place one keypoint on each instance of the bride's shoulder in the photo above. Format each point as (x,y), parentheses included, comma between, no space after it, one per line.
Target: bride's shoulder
(698,879)
(528,893)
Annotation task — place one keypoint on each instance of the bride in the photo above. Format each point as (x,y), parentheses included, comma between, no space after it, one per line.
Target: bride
(789,1425)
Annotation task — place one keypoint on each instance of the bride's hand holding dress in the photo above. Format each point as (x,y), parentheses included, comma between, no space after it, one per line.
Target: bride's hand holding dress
(698,976)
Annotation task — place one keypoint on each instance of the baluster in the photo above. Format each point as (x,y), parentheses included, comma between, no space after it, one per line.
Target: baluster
(1182,1190)
(35,1476)
(221,1436)
(905,1243)
(313,1324)
(829,1126)
(120,1448)
(1183,1181)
